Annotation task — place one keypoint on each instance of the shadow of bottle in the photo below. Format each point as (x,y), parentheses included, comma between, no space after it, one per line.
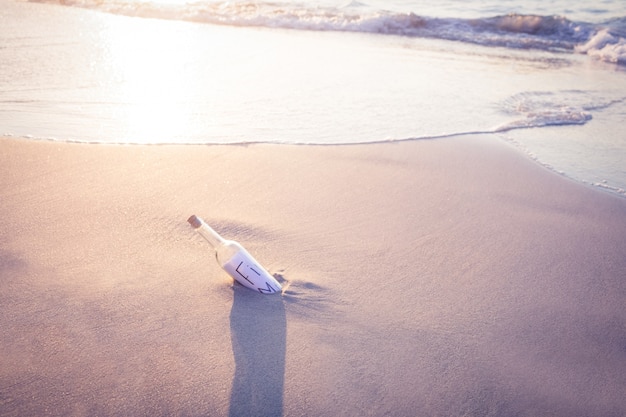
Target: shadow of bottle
(258,329)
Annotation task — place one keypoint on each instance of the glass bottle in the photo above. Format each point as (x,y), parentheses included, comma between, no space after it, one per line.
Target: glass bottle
(235,260)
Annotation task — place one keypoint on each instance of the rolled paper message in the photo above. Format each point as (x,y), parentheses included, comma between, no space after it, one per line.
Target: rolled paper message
(235,260)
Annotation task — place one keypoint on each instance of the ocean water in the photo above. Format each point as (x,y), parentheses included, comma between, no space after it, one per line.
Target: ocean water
(549,77)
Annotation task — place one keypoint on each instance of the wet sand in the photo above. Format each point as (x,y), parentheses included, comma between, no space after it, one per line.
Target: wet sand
(448,277)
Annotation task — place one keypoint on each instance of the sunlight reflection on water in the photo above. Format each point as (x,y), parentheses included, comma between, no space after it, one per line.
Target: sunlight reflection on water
(149,65)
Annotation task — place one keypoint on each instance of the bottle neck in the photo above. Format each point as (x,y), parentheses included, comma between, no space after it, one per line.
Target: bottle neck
(210,235)
(206,231)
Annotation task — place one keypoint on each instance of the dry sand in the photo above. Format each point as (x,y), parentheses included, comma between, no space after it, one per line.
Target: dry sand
(449,277)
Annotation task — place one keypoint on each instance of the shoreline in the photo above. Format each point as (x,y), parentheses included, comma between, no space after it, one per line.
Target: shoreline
(446,277)
(108,90)
(518,146)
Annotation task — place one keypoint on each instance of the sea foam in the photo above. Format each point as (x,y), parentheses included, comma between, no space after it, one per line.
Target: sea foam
(605,42)
(606,47)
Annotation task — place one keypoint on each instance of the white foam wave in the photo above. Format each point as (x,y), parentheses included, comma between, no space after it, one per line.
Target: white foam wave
(606,42)
(605,47)
(540,109)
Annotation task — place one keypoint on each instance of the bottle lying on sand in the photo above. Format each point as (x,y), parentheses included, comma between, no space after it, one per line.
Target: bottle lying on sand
(235,260)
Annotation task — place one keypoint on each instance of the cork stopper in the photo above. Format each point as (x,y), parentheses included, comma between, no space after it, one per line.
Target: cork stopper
(195,221)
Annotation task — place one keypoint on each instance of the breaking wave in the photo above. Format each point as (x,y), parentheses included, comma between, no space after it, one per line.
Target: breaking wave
(606,41)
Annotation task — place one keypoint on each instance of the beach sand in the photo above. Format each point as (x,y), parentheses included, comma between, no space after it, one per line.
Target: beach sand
(448,277)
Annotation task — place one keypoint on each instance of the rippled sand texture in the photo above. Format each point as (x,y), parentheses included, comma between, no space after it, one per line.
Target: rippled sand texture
(450,277)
